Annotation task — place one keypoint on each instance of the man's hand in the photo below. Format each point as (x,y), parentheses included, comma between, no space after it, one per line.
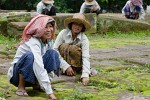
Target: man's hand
(52,97)
(70,72)
(85,80)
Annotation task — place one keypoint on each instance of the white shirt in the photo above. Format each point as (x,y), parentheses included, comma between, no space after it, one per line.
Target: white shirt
(83,6)
(65,36)
(142,12)
(34,45)
(40,6)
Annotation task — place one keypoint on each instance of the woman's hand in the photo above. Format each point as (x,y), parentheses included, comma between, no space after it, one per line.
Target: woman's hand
(70,72)
(85,80)
(52,97)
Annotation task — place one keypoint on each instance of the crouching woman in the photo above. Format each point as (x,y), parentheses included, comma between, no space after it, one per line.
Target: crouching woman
(35,61)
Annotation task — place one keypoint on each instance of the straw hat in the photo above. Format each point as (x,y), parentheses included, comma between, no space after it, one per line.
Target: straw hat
(90,2)
(48,1)
(78,18)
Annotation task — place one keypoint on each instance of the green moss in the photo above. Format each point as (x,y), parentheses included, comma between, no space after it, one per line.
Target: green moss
(109,94)
(19,18)
(109,24)
(3,26)
(77,94)
(114,68)
(147,93)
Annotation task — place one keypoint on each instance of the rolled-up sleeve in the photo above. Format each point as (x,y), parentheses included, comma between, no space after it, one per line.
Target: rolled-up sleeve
(85,57)
(39,70)
(59,40)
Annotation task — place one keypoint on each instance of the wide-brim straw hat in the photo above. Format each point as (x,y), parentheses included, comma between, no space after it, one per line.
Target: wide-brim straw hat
(78,18)
(90,2)
(48,1)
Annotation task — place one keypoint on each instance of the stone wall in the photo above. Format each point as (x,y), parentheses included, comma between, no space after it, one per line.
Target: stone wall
(117,23)
(16,28)
(13,23)
(3,26)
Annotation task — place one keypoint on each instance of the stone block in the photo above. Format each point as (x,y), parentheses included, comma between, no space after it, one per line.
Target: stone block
(147,16)
(117,24)
(3,26)
(16,28)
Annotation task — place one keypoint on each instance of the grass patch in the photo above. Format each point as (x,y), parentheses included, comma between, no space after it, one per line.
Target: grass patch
(6,41)
(112,39)
(9,44)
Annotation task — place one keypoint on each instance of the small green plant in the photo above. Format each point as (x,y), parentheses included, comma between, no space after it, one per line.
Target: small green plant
(77,94)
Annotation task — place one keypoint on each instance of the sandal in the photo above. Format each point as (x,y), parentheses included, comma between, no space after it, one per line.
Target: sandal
(22,93)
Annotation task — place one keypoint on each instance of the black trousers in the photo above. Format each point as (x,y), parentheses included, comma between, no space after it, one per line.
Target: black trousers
(52,12)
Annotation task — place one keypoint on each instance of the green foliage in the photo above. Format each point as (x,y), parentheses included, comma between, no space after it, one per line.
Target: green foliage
(77,94)
(64,5)
(9,45)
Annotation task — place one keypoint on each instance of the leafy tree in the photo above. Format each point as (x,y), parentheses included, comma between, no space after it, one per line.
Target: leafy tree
(64,6)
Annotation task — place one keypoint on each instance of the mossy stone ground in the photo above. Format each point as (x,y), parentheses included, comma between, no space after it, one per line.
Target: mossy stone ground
(114,81)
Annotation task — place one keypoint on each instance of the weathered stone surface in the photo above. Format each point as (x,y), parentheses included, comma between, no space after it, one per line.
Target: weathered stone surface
(106,63)
(104,23)
(117,23)
(3,26)
(135,54)
(147,16)
(16,28)
(142,61)
(19,17)
(131,96)
(64,78)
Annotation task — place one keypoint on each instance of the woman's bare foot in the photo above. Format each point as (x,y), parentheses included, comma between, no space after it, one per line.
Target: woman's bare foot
(22,93)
